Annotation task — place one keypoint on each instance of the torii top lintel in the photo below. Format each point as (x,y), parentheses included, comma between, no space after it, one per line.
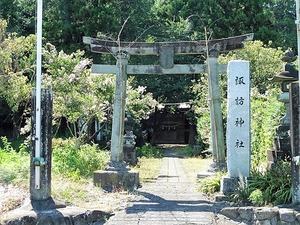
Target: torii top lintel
(182,47)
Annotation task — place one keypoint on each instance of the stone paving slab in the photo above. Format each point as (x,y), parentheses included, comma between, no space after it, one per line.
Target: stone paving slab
(171,200)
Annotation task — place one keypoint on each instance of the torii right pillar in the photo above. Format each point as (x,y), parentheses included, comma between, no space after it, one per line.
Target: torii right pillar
(216,118)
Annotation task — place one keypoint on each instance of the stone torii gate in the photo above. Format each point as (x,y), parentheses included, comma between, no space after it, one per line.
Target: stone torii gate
(166,52)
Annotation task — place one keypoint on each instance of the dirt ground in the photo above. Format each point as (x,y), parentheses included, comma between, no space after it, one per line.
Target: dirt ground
(12,197)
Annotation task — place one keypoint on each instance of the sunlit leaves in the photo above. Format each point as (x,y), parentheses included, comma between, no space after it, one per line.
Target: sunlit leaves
(16,68)
(265,62)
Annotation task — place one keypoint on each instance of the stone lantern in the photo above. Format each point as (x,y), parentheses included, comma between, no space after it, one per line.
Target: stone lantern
(129,142)
(282,142)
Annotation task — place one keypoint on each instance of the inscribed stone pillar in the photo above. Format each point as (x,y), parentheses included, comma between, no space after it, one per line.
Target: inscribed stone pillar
(238,119)
(44,192)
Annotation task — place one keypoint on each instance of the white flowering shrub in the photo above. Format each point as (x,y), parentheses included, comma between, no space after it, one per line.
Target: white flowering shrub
(80,97)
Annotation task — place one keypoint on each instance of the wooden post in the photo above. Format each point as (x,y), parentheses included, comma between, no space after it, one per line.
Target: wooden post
(119,109)
(294,104)
(218,146)
(295,135)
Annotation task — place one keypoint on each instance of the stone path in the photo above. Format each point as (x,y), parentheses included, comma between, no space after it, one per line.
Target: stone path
(172,200)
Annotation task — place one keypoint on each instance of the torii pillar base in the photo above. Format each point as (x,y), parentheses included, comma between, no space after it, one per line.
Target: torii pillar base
(117,177)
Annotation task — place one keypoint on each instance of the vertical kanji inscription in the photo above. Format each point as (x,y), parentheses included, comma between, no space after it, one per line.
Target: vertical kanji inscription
(238,121)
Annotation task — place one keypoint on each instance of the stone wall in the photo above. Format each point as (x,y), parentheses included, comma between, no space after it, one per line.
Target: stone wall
(61,216)
(263,215)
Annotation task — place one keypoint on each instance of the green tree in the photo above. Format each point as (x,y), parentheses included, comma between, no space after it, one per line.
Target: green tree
(139,103)
(186,20)
(271,20)
(168,88)
(78,96)
(17,58)
(66,22)
(20,16)
(282,30)
(265,62)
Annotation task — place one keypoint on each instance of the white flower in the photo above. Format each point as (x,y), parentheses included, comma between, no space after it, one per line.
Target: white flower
(72,77)
(62,54)
(81,65)
(141,89)
(160,106)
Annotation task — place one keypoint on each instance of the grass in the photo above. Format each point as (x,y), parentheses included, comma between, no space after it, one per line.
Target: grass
(194,165)
(211,184)
(72,180)
(83,193)
(72,172)
(148,168)
(13,165)
(184,151)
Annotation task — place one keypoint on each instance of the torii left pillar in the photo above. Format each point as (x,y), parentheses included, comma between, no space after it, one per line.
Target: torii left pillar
(117,176)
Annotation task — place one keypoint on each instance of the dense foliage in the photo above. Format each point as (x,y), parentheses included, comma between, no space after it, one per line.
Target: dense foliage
(148,151)
(13,164)
(65,22)
(68,160)
(211,184)
(81,97)
(266,112)
(265,62)
(73,162)
(17,59)
(266,187)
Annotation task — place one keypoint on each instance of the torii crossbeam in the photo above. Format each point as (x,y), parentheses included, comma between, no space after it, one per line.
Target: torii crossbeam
(182,47)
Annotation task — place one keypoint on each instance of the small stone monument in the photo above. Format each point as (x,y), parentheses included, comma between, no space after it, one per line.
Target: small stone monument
(238,125)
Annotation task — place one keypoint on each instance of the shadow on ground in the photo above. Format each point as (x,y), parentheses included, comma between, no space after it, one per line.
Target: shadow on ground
(152,202)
